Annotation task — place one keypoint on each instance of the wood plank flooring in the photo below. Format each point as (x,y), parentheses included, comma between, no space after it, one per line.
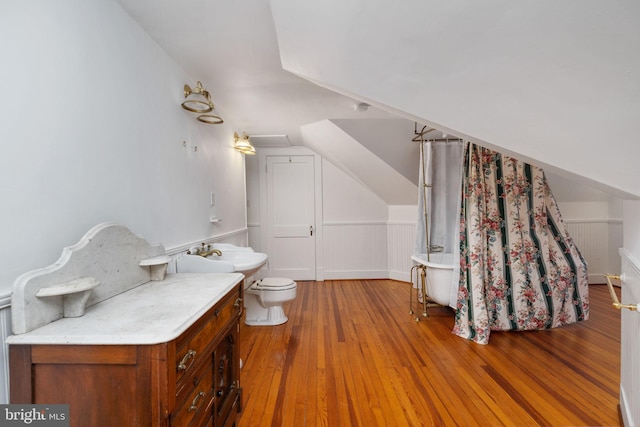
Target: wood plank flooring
(351,355)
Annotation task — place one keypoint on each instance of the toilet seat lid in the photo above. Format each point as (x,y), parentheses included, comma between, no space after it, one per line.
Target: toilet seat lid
(275,283)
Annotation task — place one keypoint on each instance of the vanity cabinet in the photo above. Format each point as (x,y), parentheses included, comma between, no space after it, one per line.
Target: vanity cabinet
(190,380)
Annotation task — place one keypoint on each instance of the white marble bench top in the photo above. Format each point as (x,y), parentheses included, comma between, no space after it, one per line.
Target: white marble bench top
(152,313)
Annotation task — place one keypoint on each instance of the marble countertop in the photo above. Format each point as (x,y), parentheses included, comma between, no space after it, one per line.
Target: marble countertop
(152,313)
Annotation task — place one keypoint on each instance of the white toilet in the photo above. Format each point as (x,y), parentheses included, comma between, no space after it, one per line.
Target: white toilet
(263,301)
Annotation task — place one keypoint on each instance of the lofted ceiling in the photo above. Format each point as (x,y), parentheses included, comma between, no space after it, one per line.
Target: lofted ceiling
(407,71)
(231,47)
(552,83)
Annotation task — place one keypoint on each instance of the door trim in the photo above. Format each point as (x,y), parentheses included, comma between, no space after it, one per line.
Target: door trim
(263,153)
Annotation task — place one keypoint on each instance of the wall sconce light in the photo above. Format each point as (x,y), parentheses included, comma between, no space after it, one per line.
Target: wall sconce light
(242,144)
(198,100)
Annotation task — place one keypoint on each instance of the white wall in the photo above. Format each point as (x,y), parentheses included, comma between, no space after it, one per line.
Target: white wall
(354,228)
(401,238)
(631,220)
(92,131)
(403,214)
(345,200)
(253,202)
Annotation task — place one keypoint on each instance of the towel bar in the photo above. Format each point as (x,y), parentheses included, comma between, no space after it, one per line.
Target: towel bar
(614,298)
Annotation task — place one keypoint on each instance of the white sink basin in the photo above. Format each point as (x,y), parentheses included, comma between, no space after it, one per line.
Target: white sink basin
(197,264)
(245,262)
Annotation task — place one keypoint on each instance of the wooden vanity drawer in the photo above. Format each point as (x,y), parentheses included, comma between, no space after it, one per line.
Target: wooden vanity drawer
(190,381)
(199,401)
(192,346)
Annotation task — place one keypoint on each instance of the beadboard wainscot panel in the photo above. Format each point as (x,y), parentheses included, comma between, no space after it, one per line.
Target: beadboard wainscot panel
(401,238)
(598,241)
(615,244)
(355,250)
(5,331)
(630,342)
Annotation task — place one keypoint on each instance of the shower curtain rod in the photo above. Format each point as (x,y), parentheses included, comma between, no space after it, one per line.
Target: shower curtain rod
(419,136)
(440,140)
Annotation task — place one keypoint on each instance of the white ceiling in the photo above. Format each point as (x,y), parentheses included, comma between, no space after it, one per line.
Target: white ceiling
(554,83)
(231,47)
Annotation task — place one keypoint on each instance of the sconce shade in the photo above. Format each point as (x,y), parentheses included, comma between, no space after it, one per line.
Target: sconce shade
(198,100)
(242,144)
(210,119)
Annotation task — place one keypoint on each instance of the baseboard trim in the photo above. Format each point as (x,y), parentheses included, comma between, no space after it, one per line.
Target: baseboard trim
(627,417)
(355,274)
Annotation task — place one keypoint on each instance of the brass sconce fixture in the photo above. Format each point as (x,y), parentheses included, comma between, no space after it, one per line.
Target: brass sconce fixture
(242,144)
(198,100)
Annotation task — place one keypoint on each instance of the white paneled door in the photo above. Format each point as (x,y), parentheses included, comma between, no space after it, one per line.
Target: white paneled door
(291,217)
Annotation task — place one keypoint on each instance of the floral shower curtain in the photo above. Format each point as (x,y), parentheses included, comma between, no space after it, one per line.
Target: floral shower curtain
(519,268)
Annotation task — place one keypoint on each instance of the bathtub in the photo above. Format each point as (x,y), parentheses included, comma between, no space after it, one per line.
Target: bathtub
(441,287)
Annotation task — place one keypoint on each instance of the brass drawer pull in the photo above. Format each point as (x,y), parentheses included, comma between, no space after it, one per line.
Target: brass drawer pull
(194,403)
(237,303)
(614,298)
(182,366)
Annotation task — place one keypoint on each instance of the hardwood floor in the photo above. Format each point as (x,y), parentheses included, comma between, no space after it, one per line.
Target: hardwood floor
(351,355)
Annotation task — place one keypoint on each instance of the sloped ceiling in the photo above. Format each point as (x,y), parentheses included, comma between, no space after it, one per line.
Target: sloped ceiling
(553,83)
(231,47)
(363,165)
(388,139)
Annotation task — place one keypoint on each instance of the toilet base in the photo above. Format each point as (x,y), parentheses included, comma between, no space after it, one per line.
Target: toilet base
(270,316)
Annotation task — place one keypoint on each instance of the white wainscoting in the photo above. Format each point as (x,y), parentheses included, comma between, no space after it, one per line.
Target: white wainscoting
(5,331)
(630,342)
(363,250)
(367,250)
(401,239)
(355,250)
(599,241)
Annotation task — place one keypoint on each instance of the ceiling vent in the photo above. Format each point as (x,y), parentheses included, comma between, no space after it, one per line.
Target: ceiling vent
(270,140)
